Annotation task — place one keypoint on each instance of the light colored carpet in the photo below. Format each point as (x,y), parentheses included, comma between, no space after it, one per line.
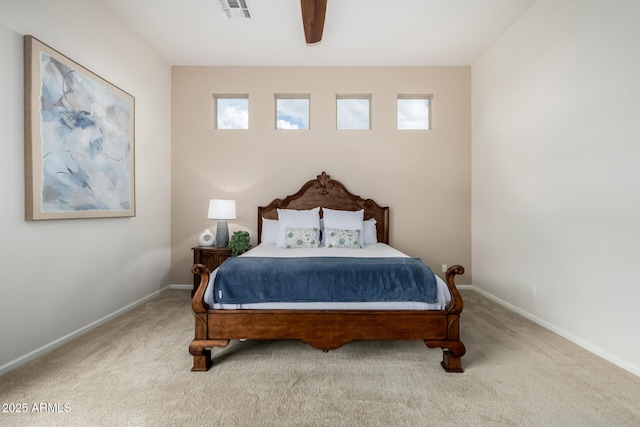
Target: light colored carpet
(135,370)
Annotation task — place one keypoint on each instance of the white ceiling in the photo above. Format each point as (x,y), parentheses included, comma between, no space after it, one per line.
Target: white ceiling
(356,32)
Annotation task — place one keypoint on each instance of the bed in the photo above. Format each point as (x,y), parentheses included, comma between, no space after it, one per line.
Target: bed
(326,326)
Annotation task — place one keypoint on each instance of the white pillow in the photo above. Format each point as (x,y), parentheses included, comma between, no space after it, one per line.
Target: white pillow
(370,232)
(269,231)
(344,220)
(291,218)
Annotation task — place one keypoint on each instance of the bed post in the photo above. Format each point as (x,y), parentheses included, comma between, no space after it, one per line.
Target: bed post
(453,348)
(200,347)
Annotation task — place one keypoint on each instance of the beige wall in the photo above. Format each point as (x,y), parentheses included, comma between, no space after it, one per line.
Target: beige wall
(555,172)
(424,176)
(58,278)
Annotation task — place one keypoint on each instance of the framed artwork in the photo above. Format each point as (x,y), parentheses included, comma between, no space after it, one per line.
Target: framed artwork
(79,140)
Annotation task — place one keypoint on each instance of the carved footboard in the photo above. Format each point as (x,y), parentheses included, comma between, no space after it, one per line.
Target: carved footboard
(438,328)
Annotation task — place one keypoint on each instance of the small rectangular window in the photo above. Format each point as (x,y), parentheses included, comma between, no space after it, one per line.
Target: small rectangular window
(414,112)
(292,111)
(353,111)
(232,111)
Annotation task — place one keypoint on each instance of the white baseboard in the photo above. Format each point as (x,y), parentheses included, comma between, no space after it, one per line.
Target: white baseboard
(576,340)
(179,286)
(73,335)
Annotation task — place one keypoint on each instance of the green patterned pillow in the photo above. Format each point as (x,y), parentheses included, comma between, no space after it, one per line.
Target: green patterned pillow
(300,238)
(342,238)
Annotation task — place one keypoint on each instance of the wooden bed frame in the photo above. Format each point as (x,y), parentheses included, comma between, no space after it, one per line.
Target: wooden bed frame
(327,329)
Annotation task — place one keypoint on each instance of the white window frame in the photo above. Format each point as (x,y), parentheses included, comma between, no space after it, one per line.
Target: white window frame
(346,97)
(289,96)
(216,118)
(428,98)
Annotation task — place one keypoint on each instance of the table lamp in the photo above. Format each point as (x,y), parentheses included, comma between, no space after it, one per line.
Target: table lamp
(222,210)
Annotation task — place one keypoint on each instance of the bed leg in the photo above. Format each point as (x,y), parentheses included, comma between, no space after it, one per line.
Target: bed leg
(450,363)
(201,352)
(452,351)
(202,363)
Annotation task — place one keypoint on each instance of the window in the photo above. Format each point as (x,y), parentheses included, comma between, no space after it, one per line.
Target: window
(413,111)
(232,111)
(292,111)
(353,111)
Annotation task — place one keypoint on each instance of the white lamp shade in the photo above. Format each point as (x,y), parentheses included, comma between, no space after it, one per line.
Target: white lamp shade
(222,209)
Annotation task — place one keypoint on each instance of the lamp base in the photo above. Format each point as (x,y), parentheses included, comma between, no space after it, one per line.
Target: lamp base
(222,234)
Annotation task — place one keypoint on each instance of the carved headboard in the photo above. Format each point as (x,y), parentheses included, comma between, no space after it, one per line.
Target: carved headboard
(328,193)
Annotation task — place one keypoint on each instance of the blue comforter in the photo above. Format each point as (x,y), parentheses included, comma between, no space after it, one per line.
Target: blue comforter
(244,280)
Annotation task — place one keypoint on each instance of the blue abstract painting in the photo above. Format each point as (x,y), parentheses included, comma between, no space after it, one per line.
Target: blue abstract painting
(82,142)
(85,142)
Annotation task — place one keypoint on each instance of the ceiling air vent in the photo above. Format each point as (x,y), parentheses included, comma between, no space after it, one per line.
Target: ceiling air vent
(235,9)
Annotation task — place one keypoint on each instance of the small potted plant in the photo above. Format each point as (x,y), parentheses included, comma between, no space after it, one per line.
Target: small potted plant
(239,243)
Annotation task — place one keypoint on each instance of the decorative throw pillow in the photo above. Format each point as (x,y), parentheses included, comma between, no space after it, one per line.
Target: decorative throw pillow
(301,238)
(291,218)
(369,232)
(337,238)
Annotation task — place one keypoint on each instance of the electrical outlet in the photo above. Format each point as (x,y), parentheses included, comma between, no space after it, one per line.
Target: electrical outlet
(444,268)
(533,291)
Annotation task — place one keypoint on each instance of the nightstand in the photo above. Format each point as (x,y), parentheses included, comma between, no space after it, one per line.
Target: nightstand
(210,256)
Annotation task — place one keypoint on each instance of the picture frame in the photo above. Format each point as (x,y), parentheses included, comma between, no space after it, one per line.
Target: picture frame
(79,140)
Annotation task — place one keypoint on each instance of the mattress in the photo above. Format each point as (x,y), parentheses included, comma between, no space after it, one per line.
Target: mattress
(378,250)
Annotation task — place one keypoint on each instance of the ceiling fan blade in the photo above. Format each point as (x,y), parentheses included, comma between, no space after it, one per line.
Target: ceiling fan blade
(313,12)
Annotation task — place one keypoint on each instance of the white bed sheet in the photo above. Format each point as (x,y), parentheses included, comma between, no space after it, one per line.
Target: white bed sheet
(378,250)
